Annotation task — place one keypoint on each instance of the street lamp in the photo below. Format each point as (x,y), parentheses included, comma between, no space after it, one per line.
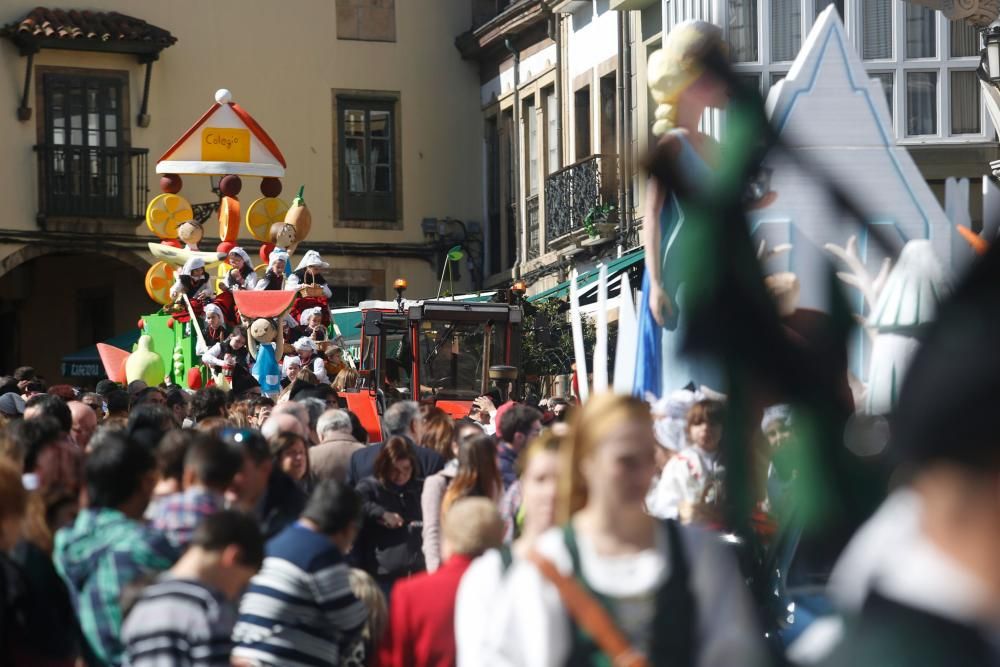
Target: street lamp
(992,53)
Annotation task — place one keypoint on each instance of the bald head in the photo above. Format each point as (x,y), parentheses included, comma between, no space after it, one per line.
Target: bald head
(296,410)
(282,423)
(84,422)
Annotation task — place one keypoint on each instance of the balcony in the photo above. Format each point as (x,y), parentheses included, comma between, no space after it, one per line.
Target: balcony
(91,182)
(576,191)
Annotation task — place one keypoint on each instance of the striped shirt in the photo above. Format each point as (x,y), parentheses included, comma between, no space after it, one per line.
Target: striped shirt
(299,609)
(179,623)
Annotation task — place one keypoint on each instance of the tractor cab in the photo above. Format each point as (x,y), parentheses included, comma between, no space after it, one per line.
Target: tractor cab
(441,352)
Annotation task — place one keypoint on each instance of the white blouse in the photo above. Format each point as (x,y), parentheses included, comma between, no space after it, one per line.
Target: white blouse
(527,625)
(683,480)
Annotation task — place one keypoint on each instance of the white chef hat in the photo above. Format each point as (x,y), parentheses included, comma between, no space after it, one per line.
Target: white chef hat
(309,312)
(311,258)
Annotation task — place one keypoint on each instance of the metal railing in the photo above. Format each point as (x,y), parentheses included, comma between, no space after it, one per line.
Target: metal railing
(575,191)
(92,182)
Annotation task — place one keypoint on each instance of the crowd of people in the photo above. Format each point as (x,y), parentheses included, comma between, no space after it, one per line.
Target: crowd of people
(154,526)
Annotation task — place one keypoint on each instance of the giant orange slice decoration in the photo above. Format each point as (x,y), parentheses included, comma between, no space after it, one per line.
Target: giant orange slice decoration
(229,219)
(159,279)
(265,303)
(113,360)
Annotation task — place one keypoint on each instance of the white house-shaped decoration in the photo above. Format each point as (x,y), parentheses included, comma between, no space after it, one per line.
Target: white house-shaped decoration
(837,118)
(225,140)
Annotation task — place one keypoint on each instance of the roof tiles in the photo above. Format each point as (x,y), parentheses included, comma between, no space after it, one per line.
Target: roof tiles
(43,23)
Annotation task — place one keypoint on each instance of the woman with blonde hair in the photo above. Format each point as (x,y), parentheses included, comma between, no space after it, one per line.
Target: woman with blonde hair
(642,591)
(482,584)
(683,88)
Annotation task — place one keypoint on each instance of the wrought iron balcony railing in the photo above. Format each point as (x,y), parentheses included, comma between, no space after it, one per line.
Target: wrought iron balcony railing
(92,182)
(579,190)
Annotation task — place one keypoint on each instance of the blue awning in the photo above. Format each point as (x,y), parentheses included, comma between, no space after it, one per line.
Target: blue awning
(86,362)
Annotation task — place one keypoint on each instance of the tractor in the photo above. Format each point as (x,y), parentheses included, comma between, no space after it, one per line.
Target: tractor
(441,352)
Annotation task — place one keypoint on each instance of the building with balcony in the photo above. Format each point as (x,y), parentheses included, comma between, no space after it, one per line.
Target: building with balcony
(350,90)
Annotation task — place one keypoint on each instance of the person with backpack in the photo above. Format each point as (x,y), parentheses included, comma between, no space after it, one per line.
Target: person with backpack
(613,585)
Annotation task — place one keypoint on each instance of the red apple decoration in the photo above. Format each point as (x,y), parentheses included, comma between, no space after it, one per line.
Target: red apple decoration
(194,378)
(171,183)
(225,247)
(230,185)
(265,252)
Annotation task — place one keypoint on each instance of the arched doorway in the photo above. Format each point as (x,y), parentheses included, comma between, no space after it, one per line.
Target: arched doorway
(54,302)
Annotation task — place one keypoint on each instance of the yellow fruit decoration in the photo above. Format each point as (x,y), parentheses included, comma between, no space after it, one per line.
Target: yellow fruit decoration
(165,214)
(159,279)
(263,213)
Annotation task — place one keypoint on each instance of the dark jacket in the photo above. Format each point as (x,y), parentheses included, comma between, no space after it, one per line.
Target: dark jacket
(282,504)
(363,462)
(391,553)
(51,633)
(889,634)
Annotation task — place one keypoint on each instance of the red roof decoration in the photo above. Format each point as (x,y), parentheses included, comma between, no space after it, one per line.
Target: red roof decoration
(83,27)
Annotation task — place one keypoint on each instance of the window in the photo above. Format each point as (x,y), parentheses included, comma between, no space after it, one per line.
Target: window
(876,29)
(552,161)
(368,20)
(886,80)
(776,77)
(608,115)
(921,31)
(531,150)
(368,173)
(823,4)
(581,108)
(786,29)
(964,40)
(349,296)
(743,30)
(921,103)
(85,157)
(493,176)
(965,106)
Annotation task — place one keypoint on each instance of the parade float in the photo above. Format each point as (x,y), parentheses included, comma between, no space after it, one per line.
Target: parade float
(225,142)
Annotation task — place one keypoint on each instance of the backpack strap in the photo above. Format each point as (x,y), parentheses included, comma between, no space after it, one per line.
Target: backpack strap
(590,615)
(676,614)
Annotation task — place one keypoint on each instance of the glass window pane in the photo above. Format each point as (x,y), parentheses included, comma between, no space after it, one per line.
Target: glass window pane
(531,117)
(921,103)
(551,131)
(777,76)
(823,4)
(887,80)
(379,153)
(786,29)
(383,179)
(921,39)
(965,108)
(964,39)
(380,123)
(354,123)
(876,29)
(743,31)
(750,80)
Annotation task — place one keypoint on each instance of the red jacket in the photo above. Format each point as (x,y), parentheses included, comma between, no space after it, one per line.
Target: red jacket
(421,629)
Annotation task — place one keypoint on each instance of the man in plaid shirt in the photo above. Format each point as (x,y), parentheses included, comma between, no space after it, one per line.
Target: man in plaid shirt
(209,467)
(108,547)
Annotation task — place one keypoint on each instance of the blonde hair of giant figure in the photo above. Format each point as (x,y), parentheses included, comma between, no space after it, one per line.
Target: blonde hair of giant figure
(602,417)
(676,69)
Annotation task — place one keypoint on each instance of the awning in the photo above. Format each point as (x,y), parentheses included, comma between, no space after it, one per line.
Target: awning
(348,322)
(587,282)
(86,363)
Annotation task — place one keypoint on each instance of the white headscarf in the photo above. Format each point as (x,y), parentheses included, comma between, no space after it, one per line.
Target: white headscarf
(276,254)
(670,427)
(242,254)
(304,344)
(312,258)
(307,313)
(212,308)
(190,265)
(288,362)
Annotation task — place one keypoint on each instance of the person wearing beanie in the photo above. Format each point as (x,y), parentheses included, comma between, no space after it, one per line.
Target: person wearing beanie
(11,405)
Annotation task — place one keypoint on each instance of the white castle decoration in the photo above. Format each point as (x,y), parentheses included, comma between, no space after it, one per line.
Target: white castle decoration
(830,112)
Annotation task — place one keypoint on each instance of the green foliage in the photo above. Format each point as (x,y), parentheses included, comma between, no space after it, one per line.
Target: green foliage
(596,216)
(547,340)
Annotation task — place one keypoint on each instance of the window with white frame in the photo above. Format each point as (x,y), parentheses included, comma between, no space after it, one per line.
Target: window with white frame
(925,63)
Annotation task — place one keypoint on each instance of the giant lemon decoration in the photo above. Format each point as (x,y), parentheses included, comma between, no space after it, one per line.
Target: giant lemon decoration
(166,213)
